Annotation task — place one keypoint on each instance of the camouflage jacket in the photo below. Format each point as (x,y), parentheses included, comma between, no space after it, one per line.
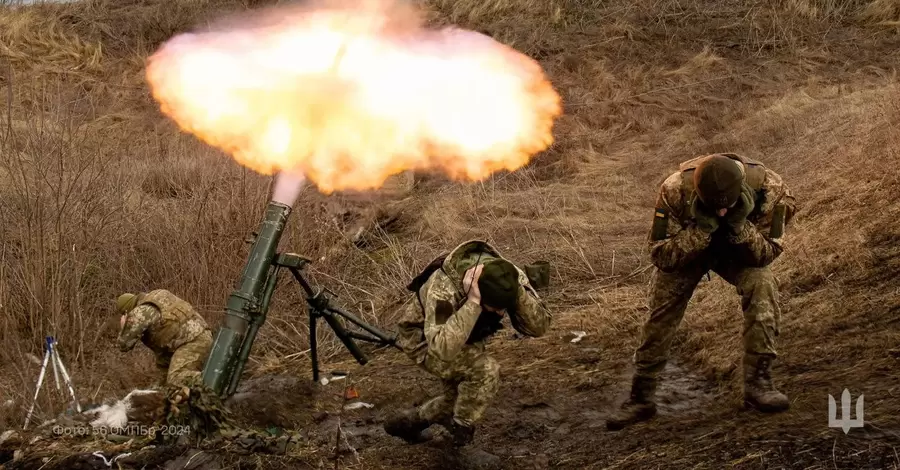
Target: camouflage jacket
(441,317)
(162,321)
(675,239)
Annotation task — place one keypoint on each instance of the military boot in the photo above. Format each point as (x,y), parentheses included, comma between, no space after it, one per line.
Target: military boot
(758,389)
(462,434)
(639,406)
(407,425)
(470,457)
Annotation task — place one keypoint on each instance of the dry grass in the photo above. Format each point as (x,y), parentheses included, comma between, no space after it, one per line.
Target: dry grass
(99,194)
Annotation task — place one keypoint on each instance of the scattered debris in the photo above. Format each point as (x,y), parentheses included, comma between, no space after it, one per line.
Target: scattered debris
(111,461)
(326,381)
(130,408)
(359,404)
(578,336)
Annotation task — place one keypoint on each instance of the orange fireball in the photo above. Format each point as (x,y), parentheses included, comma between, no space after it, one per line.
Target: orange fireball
(347,95)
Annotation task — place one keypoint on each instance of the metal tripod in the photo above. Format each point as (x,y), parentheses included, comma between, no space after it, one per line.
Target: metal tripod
(52,355)
(320,307)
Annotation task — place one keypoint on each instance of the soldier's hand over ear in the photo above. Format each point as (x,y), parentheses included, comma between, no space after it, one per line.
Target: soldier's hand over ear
(470,283)
(705,218)
(737,215)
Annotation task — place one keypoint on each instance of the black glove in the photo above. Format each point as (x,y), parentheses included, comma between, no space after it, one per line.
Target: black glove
(706,220)
(736,216)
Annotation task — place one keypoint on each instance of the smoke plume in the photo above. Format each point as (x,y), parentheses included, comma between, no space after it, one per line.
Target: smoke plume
(287,187)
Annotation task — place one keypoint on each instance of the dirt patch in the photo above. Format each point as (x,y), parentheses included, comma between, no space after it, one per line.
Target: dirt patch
(680,392)
(683,391)
(280,401)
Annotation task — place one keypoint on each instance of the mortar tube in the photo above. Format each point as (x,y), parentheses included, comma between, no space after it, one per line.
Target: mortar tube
(250,337)
(244,302)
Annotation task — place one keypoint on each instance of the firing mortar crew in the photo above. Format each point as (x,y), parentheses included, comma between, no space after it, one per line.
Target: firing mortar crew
(461,299)
(178,336)
(725,213)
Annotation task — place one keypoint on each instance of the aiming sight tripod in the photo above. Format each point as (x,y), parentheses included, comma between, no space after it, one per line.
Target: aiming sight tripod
(52,356)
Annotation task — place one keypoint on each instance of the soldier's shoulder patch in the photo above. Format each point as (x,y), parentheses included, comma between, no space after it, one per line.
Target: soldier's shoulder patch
(660,224)
(442,311)
(777,228)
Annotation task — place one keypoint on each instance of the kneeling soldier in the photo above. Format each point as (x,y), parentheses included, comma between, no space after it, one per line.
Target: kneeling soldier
(171,328)
(461,300)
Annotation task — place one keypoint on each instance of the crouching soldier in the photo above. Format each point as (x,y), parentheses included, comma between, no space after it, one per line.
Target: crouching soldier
(171,328)
(461,298)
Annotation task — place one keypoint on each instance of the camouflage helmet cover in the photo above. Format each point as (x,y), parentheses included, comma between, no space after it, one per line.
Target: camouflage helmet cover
(718,181)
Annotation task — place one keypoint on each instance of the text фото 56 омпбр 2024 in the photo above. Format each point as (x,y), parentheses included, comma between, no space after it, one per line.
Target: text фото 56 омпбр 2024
(130,430)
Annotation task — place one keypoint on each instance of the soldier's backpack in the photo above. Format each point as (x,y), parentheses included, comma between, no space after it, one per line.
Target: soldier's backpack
(420,280)
(410,334)
(417,282)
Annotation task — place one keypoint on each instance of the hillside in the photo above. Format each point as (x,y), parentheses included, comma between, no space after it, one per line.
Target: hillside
(101,194)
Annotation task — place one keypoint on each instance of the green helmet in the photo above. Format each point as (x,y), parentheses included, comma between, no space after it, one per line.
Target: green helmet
(499,284)
(126,302)
(718,181)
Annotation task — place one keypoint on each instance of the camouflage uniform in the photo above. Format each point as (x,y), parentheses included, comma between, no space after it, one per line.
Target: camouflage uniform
(682,254)
(436,332)
(173,330)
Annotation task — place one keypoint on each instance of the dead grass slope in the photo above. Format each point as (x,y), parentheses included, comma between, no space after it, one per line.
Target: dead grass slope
(100,194)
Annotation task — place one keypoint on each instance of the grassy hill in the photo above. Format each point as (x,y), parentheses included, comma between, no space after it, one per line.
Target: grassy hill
(100,194)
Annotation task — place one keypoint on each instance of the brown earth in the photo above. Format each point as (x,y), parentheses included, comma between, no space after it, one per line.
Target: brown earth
(101,194)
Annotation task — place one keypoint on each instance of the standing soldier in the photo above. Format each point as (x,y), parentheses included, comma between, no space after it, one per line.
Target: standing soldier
(460,301)
(171,328)
(725,213)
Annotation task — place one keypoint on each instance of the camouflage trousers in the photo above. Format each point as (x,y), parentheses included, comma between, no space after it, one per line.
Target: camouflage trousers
(184,365)
(669,296)
(470,382)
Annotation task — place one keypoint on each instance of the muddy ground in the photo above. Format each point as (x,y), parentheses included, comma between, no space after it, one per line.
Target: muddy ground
(549,414)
